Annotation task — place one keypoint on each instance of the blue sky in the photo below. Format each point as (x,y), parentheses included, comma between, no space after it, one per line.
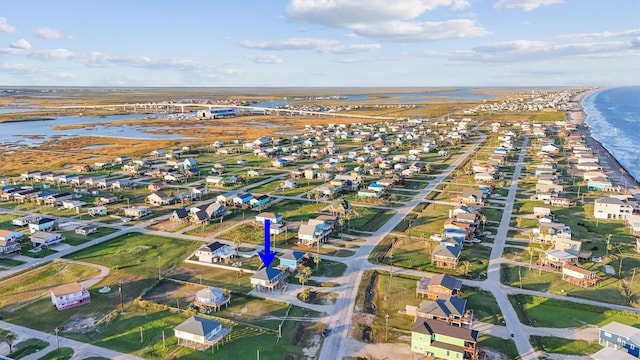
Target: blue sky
(320,43)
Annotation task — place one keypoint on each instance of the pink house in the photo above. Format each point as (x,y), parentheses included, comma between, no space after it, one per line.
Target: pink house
(69,295)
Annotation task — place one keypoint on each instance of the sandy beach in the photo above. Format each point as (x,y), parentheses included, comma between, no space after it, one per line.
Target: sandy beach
(617,174)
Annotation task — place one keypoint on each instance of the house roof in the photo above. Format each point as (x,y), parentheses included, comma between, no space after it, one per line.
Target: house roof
(452,252)
(269,215)
(181,213)
(267,273)
(293,255)
(443,307)
(610,200)
(445,280)
(623,330)
(212,247)
(430,327)
(66,289)
(198,326)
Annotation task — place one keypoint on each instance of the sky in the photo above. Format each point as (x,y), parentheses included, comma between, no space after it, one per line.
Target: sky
(328,43)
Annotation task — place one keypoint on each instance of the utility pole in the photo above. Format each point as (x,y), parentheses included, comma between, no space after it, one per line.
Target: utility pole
(57,339)
(120,291)
(386,328)
(159,273)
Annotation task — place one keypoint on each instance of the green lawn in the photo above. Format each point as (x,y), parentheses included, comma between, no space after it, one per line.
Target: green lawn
(484,305)
(504,346)
(556,345)
(9,263)
(27,347)
(329,268)
(63,353)
(74,239)
(608,290)
(545,312)
(370,219)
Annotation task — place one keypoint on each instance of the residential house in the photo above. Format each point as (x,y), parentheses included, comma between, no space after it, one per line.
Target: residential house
(86,230)
(260,202)
(273,217)
(42,224)
(451,310)
(471,197)
(437,340)
(73,204)
(438,286)
(106,200)
(9,246)
(558,258)
(158,198)
(291,259)
(445,256)
(57,199)
(316,230)
(551,232)
(69,295)
(46,239)
(268,279)
(8,235)
(97,211)
(227,198)
(242,199)
(179,216)
(215,252)
(612,208)
(579,276)
(619,336)
(25,195)
(559,201)
(204,213)
(137,212)
(25,220)
(289,184)
(200,333)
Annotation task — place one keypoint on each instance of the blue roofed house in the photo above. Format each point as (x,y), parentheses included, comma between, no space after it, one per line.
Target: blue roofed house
(242,199)
(200,333)
(268,279)
(189,163)
(260,202)
(291,259)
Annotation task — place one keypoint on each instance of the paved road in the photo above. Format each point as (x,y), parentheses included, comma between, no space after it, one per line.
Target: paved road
(334,346)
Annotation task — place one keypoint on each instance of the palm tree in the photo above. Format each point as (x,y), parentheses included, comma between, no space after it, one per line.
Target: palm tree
(466,266)
(303,278)
(9,338)
(316,260)
(484,221)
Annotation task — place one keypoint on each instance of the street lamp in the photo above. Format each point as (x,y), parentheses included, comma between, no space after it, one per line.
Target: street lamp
(57,339)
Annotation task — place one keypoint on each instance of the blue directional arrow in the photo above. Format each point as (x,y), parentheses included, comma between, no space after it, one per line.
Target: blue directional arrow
(267,256)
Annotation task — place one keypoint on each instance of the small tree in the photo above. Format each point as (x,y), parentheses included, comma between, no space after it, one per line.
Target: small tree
(9,338)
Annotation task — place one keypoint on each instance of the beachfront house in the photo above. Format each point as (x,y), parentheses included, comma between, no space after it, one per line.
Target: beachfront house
(612,208)
(215,252)
(69,295)
(291,259)
(445,256)
(316,230)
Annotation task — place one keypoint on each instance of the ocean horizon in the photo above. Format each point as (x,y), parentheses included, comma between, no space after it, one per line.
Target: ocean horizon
(613,115)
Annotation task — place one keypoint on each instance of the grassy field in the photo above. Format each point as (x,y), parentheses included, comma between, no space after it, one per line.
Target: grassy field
(64,353)
(370,219)
(556,345)
(484,305)
(506,347)
(544,312)
(20,290)
(27,347)
(74,239)
(609,290)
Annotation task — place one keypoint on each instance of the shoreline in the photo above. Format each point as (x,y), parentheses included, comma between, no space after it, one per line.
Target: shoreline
(615,171)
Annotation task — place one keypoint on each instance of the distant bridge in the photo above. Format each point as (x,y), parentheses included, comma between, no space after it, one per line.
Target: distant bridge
(157,106)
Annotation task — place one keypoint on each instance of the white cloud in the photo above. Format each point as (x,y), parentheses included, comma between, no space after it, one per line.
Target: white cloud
(290,44)
(530,51)
(40,54)
(21,44)
(32,71)
(265,59)
(421,31)
(350,49)
(525,5)
(49,33)
(385,20)
(602,35)
(5,27)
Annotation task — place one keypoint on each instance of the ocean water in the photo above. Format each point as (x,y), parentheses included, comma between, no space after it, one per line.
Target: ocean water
(614,117)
